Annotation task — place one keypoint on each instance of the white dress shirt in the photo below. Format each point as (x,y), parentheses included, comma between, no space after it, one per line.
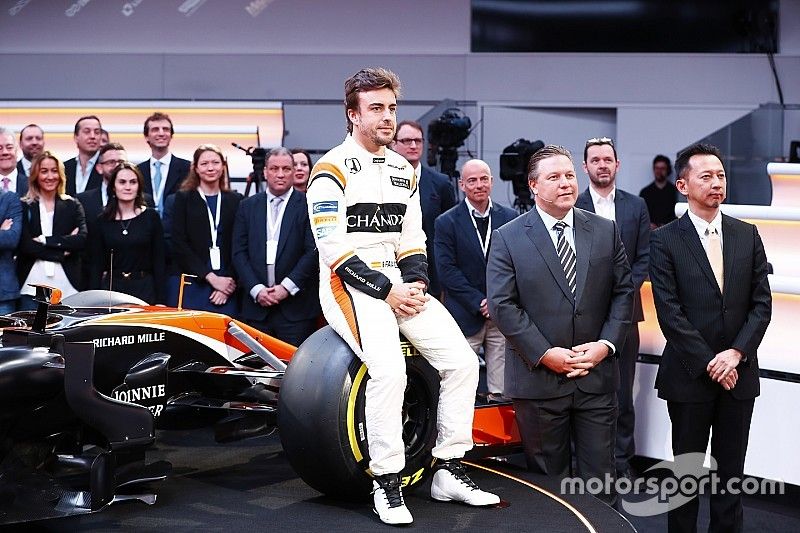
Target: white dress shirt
(604,205)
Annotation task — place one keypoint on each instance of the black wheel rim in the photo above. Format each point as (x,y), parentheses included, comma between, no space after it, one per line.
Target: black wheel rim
(418,421)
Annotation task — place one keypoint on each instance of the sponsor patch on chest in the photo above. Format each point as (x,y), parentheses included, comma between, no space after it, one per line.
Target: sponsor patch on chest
(400,182)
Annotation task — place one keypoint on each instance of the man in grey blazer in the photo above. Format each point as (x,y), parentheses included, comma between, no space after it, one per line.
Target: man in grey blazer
(604,198)
(559,288)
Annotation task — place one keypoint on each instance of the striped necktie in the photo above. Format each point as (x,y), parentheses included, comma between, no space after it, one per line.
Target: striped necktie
(566,255)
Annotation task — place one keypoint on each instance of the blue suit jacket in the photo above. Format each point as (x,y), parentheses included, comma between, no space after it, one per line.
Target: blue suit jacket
(9,208)
(436,195)
(461,264)
(296,257)
(633,222)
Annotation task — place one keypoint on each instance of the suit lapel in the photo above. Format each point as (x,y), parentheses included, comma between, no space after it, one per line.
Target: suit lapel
(258,221)
(148,181)
(172,176)
(540,236)
(583,250)
(286,223)
(729,243)
(585,201)
(425,190)
(464,223)
(692,241)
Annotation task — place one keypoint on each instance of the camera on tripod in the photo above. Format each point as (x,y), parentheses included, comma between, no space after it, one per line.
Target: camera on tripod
(514,168)
(445,135)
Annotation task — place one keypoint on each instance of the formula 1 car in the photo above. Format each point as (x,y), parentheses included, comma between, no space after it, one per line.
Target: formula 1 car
(84,383)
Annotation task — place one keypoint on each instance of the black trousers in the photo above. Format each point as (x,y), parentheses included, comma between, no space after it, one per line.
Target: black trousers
(625,445)
(588,420)
(728,420)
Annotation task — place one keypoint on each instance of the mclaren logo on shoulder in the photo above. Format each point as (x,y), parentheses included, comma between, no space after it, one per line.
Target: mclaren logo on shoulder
(352,164)
(375,218)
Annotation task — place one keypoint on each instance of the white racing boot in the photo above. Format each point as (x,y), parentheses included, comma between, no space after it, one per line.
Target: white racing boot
(452,484)
(388,500)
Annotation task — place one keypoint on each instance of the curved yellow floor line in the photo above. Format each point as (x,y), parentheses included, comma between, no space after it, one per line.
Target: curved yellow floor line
(549,494)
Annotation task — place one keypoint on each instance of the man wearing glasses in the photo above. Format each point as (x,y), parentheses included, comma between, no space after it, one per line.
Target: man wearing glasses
(436,194)
(633,222)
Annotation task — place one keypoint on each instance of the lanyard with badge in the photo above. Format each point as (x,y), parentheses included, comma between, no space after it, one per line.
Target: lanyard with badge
(273,229)
(484,242)
(213,224)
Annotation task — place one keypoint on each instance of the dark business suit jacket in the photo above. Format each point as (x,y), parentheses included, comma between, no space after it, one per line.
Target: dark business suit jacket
(71,169)
(22,180)
(462,265)
(697,319)
(191,232)
(178,170)
(532,305)
(67,216)
(296,257)
(436,195)
(9,240)
(633,223)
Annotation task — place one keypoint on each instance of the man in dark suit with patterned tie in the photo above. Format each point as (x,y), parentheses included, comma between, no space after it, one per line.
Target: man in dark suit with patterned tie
(436,193)
(604,198)
(164,172)
(559,288)
(709,276)
(275,256)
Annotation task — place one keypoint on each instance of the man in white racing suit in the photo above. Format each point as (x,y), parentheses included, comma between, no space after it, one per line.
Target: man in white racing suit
(363,202)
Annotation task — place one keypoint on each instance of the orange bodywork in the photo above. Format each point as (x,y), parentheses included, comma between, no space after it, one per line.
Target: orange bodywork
(495,425)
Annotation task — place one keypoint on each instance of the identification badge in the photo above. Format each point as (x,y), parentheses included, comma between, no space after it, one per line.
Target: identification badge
(272,252)
(216,260)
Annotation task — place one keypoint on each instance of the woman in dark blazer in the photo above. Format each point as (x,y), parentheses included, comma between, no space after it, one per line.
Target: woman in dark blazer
(202,227)
(53,232)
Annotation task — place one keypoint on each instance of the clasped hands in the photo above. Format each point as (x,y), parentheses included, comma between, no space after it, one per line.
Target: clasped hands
(407,299)
(272,295)
(722,368)
(577,361)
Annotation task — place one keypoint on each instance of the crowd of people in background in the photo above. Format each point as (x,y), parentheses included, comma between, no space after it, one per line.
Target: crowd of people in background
(100,221)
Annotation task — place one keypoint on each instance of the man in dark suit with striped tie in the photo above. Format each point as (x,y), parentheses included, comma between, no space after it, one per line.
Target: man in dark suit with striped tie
(559,288)
(709,276)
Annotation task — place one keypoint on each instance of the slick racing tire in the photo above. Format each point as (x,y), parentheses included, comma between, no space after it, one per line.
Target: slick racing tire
(321,417)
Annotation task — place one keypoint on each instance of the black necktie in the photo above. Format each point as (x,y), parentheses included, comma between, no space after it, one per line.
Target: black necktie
(566,255)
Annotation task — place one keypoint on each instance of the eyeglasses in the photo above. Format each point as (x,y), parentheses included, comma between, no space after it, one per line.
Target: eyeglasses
(115,162)
(407,142)
(594,141)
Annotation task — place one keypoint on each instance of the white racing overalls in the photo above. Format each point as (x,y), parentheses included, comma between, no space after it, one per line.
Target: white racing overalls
(366,218)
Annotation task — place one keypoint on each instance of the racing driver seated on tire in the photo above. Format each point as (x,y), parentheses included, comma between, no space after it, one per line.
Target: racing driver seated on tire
(363,202)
